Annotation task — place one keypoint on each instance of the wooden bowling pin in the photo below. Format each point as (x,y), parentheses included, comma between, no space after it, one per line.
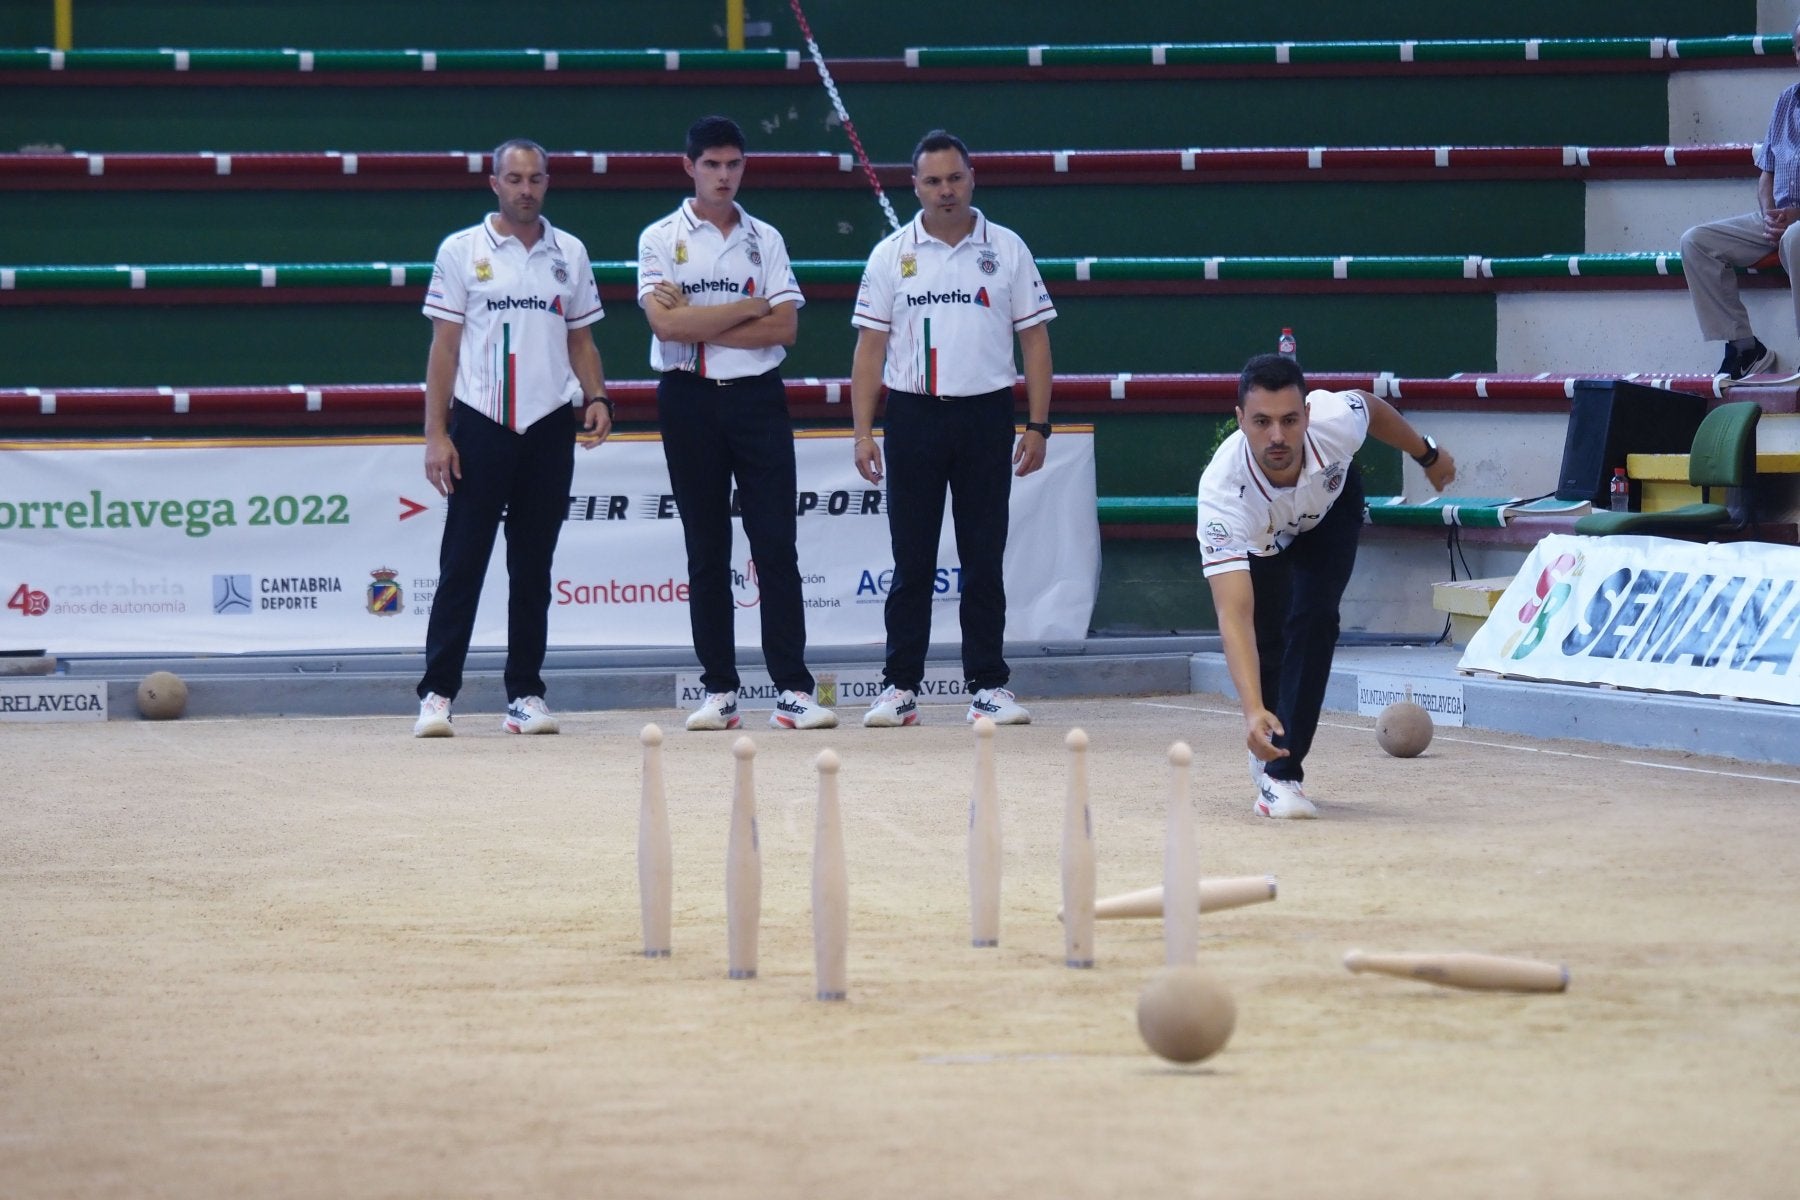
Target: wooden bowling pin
(655,871)
(1077,858)
(1181,865)
(830,885)
(743,867)
(984,842)
(1478,972)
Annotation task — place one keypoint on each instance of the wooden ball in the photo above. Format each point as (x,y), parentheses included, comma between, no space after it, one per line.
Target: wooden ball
(162,696)
(1186,1014)
(1403,729)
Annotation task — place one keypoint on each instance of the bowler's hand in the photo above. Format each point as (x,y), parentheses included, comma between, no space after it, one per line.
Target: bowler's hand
(1028,455)
(1261,726)
(868,459)
(443,466)
(669,295)
(1442,473)
(596,426)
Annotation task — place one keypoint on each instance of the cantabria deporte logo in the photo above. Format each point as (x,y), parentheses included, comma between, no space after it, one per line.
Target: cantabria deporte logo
(1555,584)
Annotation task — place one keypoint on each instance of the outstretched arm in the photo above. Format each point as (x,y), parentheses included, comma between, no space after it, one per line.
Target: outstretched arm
(1234,601)
(1387,425)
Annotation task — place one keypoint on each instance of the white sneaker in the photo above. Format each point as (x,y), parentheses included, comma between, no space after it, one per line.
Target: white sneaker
(798,710)
(893,708)
(434,717)
(1256,769)
(718,711)
(1283,798)
(528,714)
(998,706)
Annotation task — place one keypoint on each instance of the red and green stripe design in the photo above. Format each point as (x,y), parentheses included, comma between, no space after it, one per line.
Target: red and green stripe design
(928,364)
(508,377)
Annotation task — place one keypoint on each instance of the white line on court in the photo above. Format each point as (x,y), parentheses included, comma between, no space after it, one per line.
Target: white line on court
(1468,741)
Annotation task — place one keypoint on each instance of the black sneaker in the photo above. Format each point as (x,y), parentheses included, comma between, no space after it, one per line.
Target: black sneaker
(1754,361)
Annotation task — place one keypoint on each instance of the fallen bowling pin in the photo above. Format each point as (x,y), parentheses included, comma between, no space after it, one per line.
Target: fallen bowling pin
(1477,972)
(1216,895)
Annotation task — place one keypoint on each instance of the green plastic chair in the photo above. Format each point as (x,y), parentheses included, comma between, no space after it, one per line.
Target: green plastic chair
(1723,457)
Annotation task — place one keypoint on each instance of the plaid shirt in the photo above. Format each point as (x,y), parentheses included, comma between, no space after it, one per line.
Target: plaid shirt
(1780,152)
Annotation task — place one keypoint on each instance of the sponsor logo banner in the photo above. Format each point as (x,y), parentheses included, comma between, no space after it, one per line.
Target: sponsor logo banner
(333,544)
(52,700)
(834,689)
(1650,613)
(1442,698)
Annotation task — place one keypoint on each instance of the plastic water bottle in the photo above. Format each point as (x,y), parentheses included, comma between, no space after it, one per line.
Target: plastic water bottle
(1287,345)
(1620,491)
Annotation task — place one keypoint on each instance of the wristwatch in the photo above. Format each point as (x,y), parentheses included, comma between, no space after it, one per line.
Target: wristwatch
(1041,428)
(1431,453)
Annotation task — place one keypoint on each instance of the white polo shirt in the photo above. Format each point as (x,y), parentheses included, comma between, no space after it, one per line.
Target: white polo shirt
(516,307)
(1241,513)
(950,312)
(712,268)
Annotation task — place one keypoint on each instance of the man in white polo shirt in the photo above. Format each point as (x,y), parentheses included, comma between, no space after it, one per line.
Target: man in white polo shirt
(510,302)
(1280,511)
(723,306)
(940,303)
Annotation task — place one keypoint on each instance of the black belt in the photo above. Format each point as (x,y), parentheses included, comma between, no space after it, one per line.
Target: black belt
(773,372)
(1005,391)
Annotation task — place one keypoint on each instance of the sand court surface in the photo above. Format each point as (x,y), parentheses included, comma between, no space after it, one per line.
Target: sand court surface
(319,958)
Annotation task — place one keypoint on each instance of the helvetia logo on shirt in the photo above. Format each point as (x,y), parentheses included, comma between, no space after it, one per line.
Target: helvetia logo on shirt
(509,302)
(955,297)
(711,285)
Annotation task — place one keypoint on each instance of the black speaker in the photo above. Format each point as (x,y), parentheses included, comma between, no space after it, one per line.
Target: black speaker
(1610,418)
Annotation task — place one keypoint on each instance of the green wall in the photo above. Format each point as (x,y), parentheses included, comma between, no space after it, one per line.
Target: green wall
(1595,109)
(375,225)
(197,345)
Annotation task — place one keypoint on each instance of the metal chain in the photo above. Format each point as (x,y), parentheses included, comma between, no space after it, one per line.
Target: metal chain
(837,102)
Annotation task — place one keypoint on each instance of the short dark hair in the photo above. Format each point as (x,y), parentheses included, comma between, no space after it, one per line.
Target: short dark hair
(511,144)
(1271,373)
(939,139)
(708,132)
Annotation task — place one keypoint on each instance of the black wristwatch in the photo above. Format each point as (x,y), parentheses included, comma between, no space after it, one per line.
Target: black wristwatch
(1041,428)
(602,398)
(1430,456)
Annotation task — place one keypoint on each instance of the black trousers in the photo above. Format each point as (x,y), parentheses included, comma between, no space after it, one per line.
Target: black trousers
(521,479)
(713,434)
(1297,595)
(965,445)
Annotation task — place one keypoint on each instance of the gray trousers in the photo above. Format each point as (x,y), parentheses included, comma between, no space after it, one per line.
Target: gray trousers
(1709,254)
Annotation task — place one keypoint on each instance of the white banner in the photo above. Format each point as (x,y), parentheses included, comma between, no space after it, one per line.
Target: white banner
(1441,698)
(234,546)
(1650,613)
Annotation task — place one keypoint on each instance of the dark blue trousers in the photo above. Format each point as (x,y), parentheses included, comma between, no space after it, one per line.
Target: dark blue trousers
(1297,595)
(965,445)
(521,479)
(713,434)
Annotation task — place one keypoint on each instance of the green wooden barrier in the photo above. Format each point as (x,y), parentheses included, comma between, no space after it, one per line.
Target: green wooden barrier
(1199,272)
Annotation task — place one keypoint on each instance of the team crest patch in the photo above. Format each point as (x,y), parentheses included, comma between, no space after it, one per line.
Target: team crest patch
(385,596)
(909,266)
(680,252)
(1334,478)
(560,269)
(755,256)
(484,271)
(989,262)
